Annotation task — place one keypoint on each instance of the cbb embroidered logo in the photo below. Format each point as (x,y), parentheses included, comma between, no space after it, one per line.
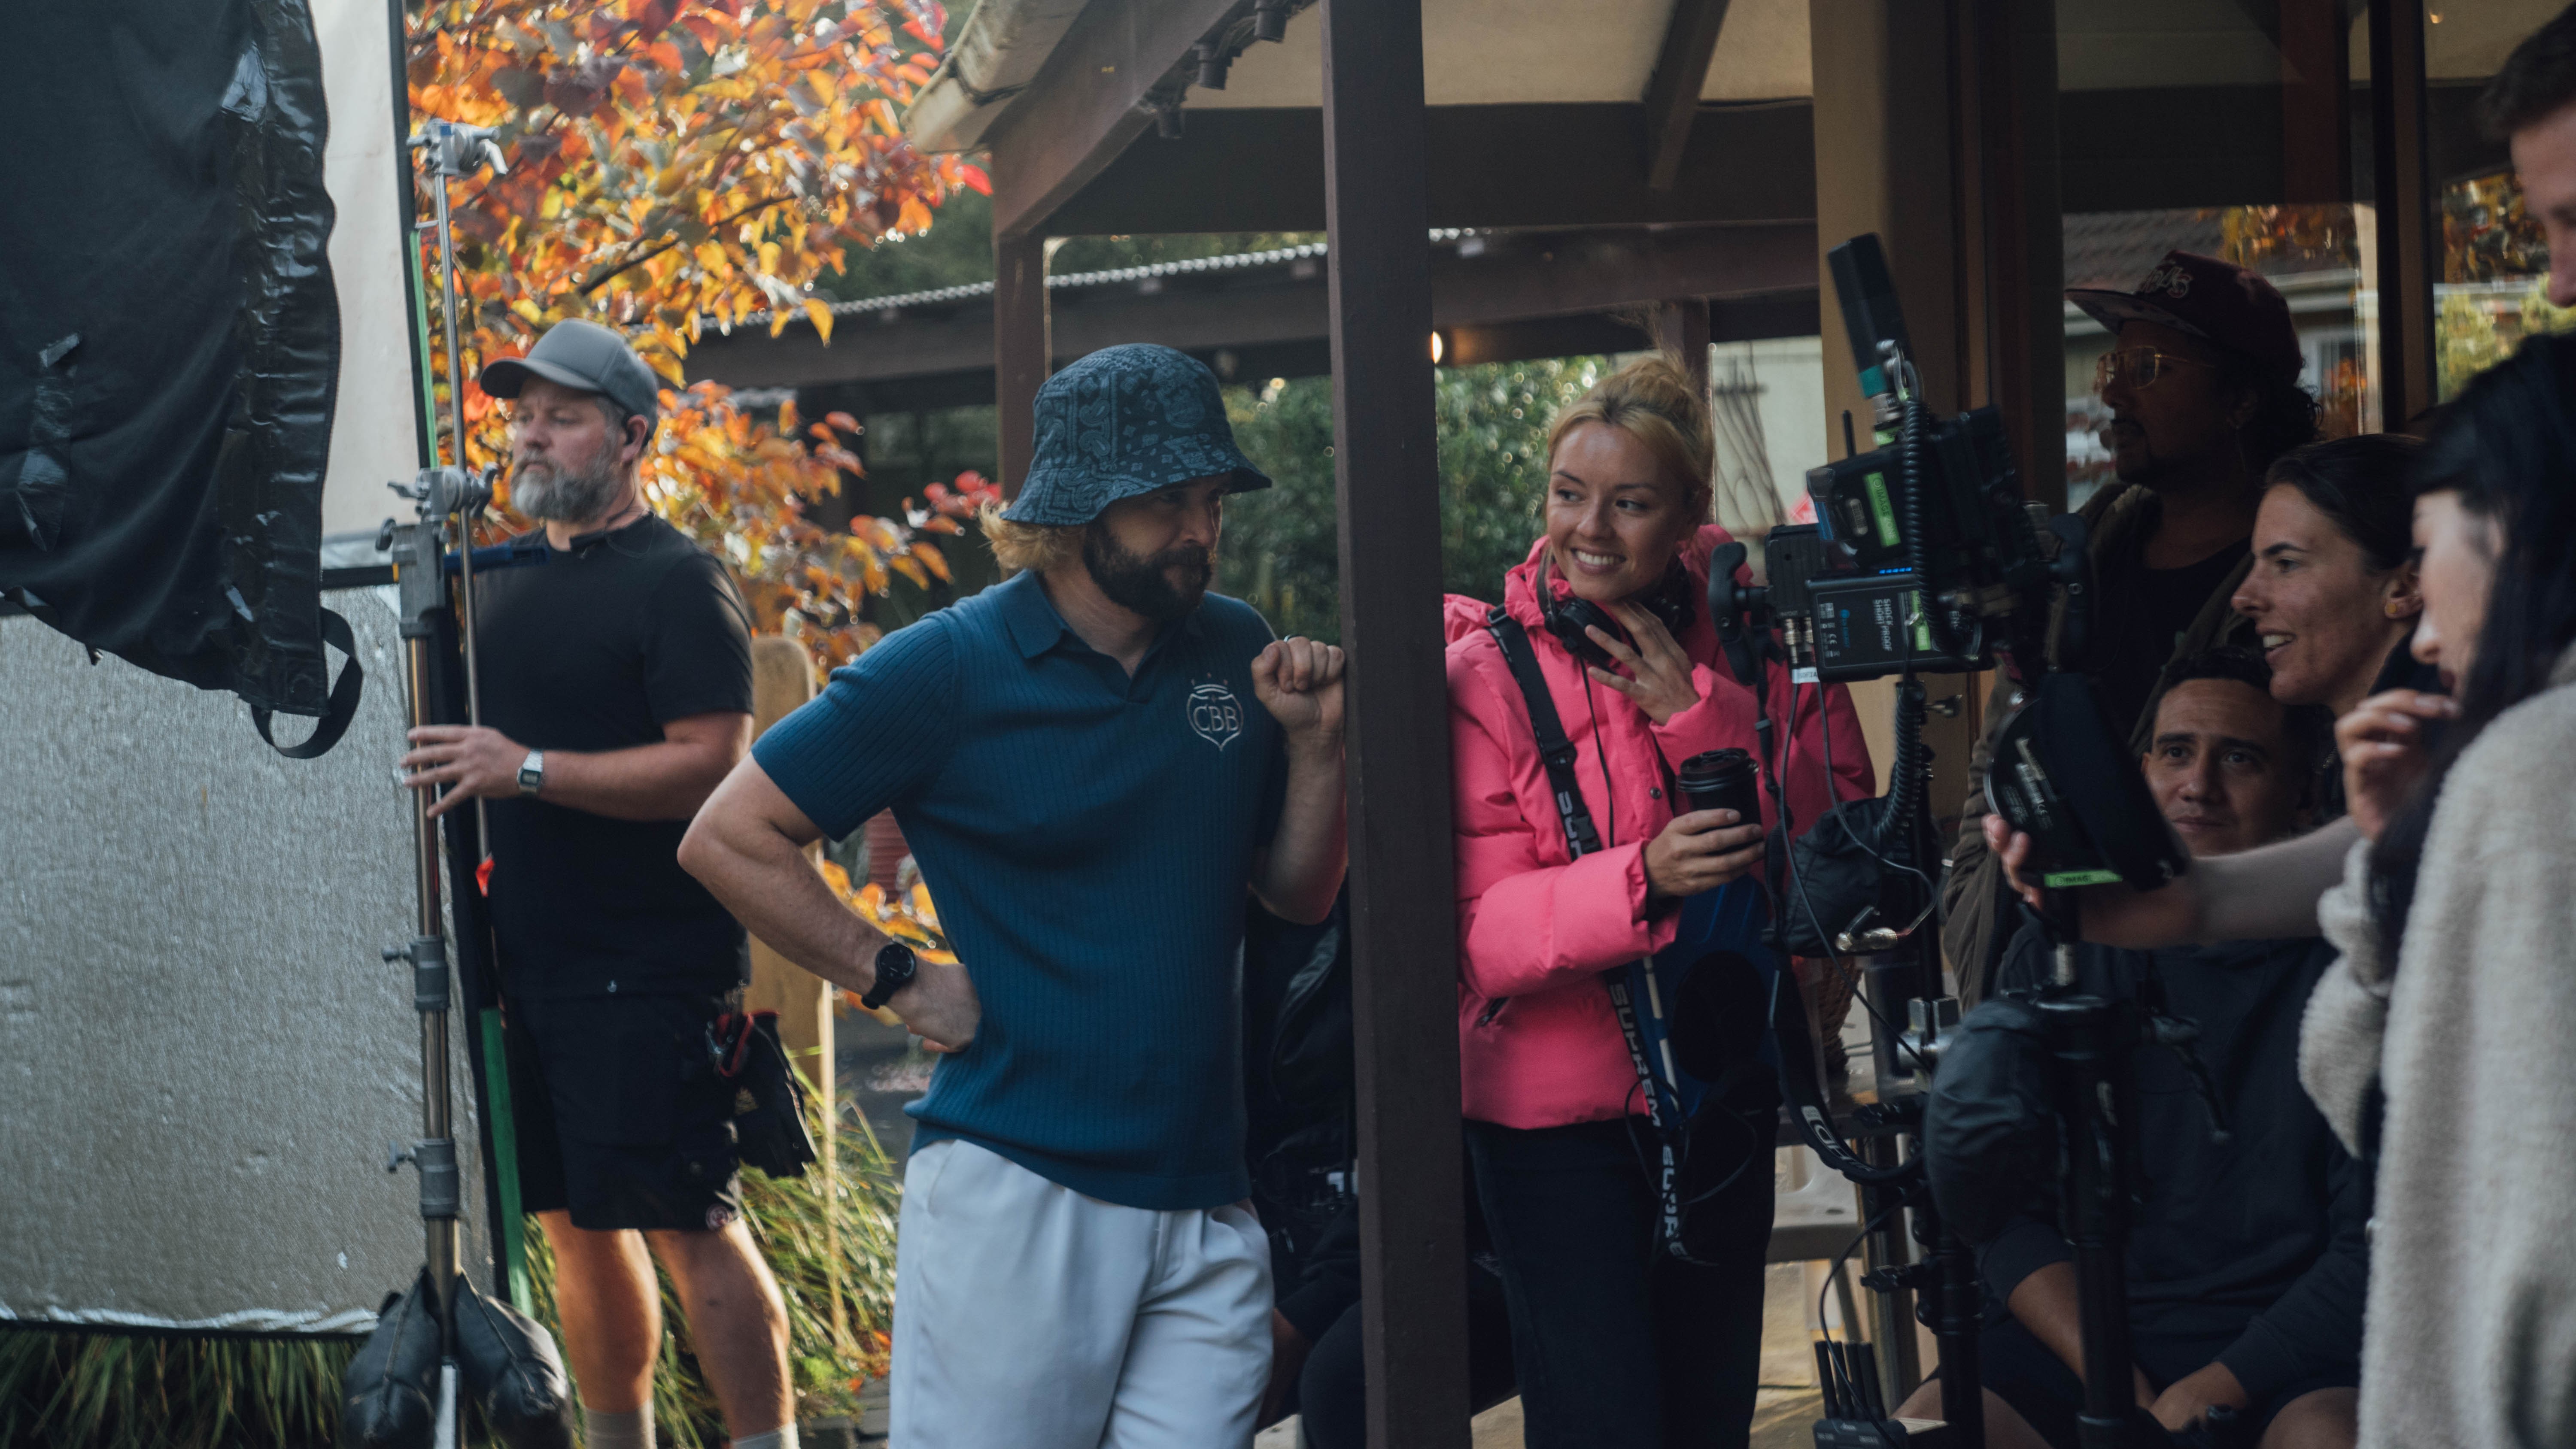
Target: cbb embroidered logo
(1216,714)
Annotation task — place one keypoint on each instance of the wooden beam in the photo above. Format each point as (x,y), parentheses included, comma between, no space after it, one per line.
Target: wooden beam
(1022,351)
(2316,80)
(2402,199)
(1086,104)
(1517,278)
(1732,319)
(1404,995)
(1672,95)
(2013,46)
(1258,170)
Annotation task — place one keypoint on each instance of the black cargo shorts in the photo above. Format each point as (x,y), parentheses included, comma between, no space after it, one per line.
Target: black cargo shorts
(620,1115)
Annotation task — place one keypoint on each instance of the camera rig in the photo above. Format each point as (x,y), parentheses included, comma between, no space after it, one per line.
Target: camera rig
(1925,558)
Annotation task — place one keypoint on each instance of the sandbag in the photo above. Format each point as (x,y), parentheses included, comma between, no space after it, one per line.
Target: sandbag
(389,1396)
(512,1374)
(169,338)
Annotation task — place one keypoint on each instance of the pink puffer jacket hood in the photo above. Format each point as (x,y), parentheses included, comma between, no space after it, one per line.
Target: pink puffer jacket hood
(1537,1042)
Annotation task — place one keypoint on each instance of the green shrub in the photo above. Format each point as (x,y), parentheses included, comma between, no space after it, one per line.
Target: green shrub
(80,1389)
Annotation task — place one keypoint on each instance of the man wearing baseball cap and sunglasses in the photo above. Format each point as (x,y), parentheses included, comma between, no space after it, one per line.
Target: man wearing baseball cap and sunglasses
(2202,381)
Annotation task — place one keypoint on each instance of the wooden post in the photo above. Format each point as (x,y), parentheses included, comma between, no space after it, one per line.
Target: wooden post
(2014,45)
(2402,198)
(1023,351)
(782,678)
(2316,80)
(1681,328)
(1403,911)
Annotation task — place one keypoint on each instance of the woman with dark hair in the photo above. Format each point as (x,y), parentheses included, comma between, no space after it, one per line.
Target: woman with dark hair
(2332,591)
(2436,1043)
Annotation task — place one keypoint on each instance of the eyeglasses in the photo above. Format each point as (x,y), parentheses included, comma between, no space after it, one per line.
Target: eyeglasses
(2137,368)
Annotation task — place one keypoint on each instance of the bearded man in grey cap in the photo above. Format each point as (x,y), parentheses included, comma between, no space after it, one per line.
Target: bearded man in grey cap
(1076,760)
(616,694)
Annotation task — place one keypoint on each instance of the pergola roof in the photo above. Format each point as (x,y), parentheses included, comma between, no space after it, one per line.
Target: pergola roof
(1496,297)
(1476,52)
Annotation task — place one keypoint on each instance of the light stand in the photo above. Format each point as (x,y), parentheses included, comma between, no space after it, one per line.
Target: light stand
(450,152)
(1948,1294)
(421,585)
(418,549)
(1754,632)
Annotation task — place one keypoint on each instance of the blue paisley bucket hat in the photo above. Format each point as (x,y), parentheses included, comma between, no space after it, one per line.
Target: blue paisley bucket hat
(1124,421)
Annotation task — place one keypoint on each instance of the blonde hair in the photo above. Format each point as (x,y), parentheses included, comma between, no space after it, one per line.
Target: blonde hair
(1029,547)
(1654,401)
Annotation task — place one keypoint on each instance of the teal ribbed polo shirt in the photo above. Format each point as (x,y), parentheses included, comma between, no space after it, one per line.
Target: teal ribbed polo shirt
(1088,838)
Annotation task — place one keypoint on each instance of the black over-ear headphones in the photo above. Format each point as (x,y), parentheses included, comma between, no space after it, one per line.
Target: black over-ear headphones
(1669,601)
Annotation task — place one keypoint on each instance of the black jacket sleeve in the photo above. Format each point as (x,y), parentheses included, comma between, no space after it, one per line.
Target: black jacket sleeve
(2314,1327)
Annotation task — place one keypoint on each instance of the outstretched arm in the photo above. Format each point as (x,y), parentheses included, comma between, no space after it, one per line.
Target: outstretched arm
(2257,896)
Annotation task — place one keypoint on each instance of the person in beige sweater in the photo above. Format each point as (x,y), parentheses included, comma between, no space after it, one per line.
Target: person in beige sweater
(2436,1044)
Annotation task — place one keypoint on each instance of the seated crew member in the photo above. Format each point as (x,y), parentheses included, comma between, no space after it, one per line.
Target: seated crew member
(1319,1371)
(2246,1263)
(2203,388)
(617,690)
(1092,761)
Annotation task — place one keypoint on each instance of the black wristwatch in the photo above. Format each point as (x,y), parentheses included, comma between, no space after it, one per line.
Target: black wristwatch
(895,966)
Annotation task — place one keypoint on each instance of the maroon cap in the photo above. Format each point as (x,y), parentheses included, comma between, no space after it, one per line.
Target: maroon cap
(2207,298)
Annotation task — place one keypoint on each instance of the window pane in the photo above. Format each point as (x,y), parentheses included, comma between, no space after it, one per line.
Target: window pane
(2491,293)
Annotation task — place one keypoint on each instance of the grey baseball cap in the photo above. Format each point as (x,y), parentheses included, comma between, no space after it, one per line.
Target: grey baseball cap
(585,355)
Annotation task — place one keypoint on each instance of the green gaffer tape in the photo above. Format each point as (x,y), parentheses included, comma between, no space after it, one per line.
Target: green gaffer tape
(2063,879)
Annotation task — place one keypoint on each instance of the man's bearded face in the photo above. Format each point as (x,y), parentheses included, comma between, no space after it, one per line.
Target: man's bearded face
(564,483)
(1162,586)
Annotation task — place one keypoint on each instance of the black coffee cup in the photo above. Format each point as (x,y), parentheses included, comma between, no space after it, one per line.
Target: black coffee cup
(1720,780)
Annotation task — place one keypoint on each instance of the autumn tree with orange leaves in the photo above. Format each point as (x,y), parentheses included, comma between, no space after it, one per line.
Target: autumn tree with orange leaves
(676,165)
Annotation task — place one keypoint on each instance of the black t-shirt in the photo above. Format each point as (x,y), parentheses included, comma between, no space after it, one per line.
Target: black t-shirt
(2142,614)
(596,649)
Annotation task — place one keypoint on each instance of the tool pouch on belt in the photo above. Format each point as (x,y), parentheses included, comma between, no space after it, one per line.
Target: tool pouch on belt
(771,1132)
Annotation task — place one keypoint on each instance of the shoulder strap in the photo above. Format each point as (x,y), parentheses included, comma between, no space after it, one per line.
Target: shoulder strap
(343,704)
(1554,749)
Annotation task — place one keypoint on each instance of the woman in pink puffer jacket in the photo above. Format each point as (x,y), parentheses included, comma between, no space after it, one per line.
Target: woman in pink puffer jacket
(1613,1343)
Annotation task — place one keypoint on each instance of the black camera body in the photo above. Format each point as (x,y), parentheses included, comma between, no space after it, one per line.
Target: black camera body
(1923,557)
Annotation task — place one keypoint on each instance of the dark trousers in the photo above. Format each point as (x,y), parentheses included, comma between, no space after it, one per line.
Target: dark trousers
(1616,1346)
(1332,1390)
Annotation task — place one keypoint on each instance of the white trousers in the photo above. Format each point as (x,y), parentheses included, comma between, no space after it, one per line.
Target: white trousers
(1027,1316)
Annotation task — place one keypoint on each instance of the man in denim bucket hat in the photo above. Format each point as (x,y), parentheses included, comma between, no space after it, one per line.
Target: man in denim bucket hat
(1076,760)
(1122,422)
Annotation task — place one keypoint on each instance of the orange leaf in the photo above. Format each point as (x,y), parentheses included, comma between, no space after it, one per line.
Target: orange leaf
(822,316)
